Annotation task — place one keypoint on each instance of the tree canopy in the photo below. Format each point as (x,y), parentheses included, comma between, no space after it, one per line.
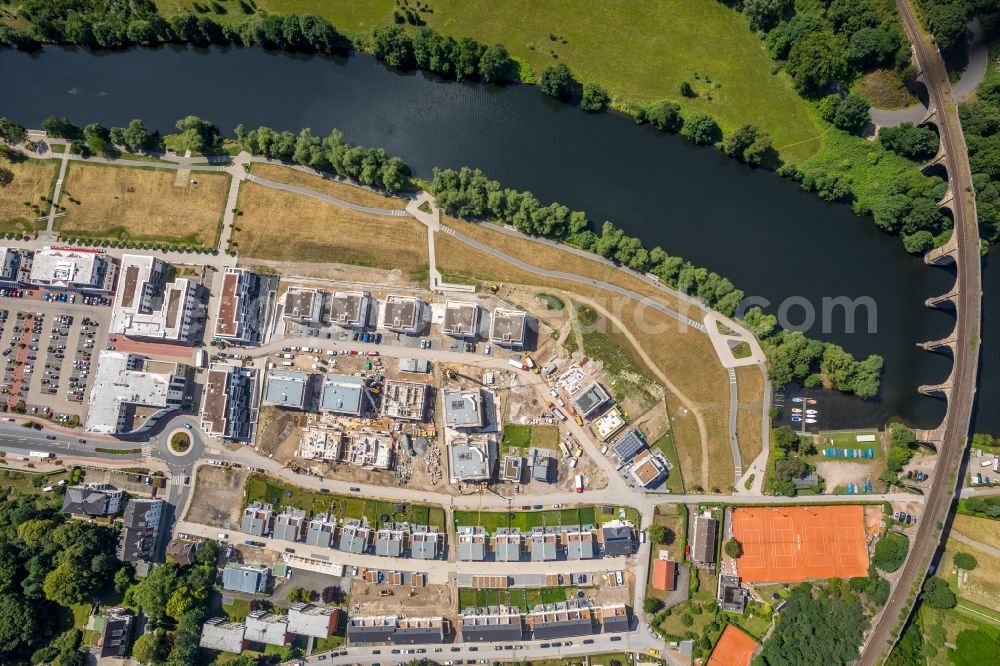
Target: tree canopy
(815,630)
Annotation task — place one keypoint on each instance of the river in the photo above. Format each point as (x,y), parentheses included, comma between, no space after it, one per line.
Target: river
(772,239)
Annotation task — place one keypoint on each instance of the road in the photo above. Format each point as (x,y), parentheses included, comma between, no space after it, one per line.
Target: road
(968,313)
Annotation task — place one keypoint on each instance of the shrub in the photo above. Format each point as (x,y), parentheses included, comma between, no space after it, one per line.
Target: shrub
(890,552)
(965,561)
(595,98)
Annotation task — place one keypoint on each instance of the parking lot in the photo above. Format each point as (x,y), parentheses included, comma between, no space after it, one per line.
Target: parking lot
(49,340)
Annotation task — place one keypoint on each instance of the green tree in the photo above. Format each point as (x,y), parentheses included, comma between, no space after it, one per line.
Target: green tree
(733,548)
(557,81)
(151,648)
(890,552)
(154,591)
(965,560)
(496,65)
(392,45)
(12,132)
(815,61)
(948,23)
(702,129)
(686,620)
(937,594)
(34,532)
(17,624)
(974,647)
(652,605)
(67,585)
(822,629)
(909,140)
(61,128)
(762,15)
(595,98)
(852,114)
(665,116)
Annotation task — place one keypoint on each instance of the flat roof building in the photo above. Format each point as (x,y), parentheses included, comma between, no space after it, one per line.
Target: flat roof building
(402,314)
(463,408)
(628,446)
(494,624)
(343,394)
(72,268)
(508,328)
(321,531)
(614,618)
(414,365)
(140,530)
(405,400)
(507,544)
(245,303)
(148,306)
(92,500)
(349,309)
(591,400)
(649,468)
(472,458)
(609,424)
(123,383)
(257,519)
(286,388)
(268,628)
(730,595)
(511,468)
(315,621)
(248,578)
(542,463)
(290,524)
(320,443)
(11,260)
(224,636)
(703,540)
(461,319)
(471,544)
(229,406)
(303,305)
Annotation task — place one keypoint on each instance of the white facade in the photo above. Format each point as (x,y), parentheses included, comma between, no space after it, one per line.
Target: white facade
(147,306)
(72,268)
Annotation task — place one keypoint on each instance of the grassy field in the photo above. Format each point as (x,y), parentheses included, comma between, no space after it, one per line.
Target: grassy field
(674,522)
(525,436)
(883,88)
(33,179)
(517,598)
(269,490)
(749,396)
(280,225)
(847,439)
(125,203)
(525,520)
(675,481)
(683,355)
(943,626)
(983,585)
(640,51)
(352,193)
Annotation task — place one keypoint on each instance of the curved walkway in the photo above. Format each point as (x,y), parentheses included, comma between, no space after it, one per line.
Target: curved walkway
(961,90)
(295,189)
(978,545)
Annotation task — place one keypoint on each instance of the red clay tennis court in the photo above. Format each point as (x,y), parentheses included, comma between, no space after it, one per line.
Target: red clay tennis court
(733,649)
(791,544)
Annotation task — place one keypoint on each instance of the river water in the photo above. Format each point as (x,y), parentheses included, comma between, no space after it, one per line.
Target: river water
(772,239)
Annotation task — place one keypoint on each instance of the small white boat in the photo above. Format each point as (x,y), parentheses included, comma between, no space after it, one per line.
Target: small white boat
(811,412)
(796,410)
(810,420)
(796,399)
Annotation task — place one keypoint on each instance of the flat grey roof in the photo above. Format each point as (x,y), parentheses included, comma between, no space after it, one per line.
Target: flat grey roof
(342,394)
(286,388)
(463,408)
(591,399)
(508,327)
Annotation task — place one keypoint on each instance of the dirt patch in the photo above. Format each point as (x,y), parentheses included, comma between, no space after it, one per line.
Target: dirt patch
(402,600)
(142,204)
(218,497)
(842,473)
(278,432)
(884,89)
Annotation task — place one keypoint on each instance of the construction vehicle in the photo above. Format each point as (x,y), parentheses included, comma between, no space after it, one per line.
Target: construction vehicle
(578,420)
(494,288)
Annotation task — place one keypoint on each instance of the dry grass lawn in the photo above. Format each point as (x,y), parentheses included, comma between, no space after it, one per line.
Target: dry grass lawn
(126,203)
(983,530)
(33,179)
(353,193)
(288,227)
(683,355)
(749,394)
